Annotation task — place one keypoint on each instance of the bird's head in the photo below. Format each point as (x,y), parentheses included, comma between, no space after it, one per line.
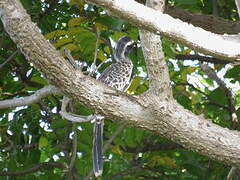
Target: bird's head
(124,46)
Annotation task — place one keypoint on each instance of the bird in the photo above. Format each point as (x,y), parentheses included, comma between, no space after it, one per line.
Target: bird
(118,75)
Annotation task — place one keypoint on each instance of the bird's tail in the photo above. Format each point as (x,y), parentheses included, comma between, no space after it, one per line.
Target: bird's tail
(98,147)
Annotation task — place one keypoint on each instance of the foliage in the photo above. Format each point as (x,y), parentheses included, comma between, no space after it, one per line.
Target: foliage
(36,133)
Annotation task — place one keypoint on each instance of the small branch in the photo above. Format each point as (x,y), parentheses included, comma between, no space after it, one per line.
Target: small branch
(39,94)
(74,148)
(33,169)
(71,59)
(231,173)
(10,146)
(73,117)
(231,101)
(115,134)
(211,101)
(24,147)
(154,57)
(9,94)
(164,146)
(46,109)
(202,58)
(103,62)
(9,58)
(233,170)
(93,66)
(215,7)
(108,42)
(237,2)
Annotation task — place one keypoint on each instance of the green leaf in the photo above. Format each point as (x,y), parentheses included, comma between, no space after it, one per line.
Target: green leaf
(111,23)
(187,2)
(43,142)
(233,73)
(135,83)
(219,96)
(55,34)
(62,41)
(76,21)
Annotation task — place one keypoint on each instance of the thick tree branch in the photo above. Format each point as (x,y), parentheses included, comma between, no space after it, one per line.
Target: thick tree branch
(151,112)
(174,29)
(39,94)
(208,22)
(154,57)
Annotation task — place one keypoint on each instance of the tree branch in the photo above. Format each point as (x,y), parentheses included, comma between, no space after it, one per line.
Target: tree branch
(164,146)
(211,101)
(39,94)
(9,58)
(33,169)
(208,22)
(237,2)
(73,117)
(202,58)
(74,148)
(211,23)
(231,100)
(174,29)
(154,57)
(151,112)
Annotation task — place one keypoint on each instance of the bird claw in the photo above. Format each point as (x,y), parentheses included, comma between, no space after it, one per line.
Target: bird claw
(97,118)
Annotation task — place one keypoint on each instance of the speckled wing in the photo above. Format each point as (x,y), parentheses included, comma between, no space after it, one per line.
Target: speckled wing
(118,75)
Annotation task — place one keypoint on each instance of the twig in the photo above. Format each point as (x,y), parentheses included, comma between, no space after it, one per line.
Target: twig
(164,146)
(211,101)
(93,66)
(9,94)
(231,101)
(234,169)
(73,117)
(24,147)
(237,2)
(108,42)
(201,58)
(231,173)
(9,58)
(71,59)
(106,145)
(39,94)
(45,108)
(115,134)
(74,148)
(103,62)
(33,169)
(10,146)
